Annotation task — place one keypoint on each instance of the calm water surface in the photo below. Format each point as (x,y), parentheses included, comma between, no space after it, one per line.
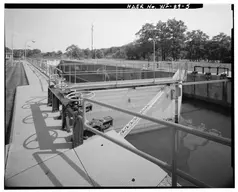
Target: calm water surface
(205,160)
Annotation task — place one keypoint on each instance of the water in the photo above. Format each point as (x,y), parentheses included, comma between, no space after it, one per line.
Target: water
(15,76)
(207,161)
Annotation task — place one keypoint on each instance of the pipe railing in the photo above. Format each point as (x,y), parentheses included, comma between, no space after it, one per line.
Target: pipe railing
(148,157)
(175,172)
(205,82)
(173,126)
(75,71)
(179,127)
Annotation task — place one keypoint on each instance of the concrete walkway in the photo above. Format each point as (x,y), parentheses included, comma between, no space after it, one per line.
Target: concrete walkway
(41,155)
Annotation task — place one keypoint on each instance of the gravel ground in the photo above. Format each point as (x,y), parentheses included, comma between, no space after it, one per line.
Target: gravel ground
(14,76)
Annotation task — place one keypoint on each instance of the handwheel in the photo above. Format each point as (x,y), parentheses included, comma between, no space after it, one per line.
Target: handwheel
(73,96)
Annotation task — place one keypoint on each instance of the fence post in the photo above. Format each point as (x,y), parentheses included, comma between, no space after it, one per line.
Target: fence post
(70,73)
(83,110)
(116,73)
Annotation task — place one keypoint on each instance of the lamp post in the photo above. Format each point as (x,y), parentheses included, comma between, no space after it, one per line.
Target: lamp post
(153,39)
(154,54)
(26,45)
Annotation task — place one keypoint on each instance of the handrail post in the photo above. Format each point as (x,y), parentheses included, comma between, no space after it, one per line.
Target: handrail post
(83,111)
(175,138)
(75,73)
(70,73)
(116,74)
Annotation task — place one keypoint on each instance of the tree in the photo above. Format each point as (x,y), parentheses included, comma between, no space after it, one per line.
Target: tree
(195,45)
(74,52)
(224,47)
(176,35)
(59,53)
(99,53)
(7,50)
(87,53)
(163,39)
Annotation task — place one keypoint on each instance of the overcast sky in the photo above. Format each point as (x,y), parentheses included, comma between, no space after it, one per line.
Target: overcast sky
(54,29)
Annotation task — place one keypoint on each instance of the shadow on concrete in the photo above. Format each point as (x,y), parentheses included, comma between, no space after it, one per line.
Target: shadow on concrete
(29,119)
(34,100)
(53,178)
(44,140)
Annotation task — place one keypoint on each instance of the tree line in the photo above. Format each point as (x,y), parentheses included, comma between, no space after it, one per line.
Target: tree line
(170,40)
(173,42)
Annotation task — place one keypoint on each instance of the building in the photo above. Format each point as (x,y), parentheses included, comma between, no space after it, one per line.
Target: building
(8,55)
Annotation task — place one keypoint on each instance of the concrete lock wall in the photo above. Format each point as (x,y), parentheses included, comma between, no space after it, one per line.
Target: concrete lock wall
(123,73)
(219,93)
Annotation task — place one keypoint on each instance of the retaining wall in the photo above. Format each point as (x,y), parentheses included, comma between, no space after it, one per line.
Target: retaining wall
(219,93)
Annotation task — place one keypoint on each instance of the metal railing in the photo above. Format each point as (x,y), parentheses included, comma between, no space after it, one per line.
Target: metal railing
(94,73)
(86,71)
(174,128)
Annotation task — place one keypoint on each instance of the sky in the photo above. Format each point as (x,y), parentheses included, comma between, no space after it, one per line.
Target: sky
(56,29)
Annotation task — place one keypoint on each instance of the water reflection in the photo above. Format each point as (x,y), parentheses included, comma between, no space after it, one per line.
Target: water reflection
(205,160)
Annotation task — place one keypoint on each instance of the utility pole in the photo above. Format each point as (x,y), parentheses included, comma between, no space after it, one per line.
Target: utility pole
(92,38)
(154,59)
(12,49)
